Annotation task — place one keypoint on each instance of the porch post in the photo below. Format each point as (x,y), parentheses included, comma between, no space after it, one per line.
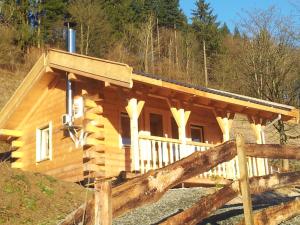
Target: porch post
(225,121)
(134,109)
(181,117)
(257,127)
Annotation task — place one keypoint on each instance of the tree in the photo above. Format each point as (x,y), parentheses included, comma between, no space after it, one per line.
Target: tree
(236,32)
(269,62)
(92,25)
(206,26)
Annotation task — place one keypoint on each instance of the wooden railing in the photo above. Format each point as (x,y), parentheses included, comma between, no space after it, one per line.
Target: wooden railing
(157,152)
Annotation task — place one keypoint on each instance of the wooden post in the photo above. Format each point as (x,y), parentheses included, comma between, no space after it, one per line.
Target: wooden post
(103,205)
(225,121)
(244,180)
(134,109)
(181,117)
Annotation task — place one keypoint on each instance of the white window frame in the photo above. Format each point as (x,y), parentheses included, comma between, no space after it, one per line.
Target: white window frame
(39,156)
(123,114)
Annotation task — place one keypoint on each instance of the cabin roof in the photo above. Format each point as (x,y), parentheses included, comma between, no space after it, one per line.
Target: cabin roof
(218,92)
(44,72)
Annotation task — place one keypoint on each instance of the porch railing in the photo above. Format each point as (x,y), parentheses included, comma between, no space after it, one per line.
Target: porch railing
(157,152)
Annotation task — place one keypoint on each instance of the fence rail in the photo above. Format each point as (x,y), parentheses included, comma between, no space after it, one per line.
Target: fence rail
(157,152)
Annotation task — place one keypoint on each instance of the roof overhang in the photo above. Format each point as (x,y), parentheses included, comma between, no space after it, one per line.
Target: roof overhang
(113,72)
(41,75)
(288,113)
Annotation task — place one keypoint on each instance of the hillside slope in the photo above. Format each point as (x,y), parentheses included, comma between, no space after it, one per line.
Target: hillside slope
(32,198)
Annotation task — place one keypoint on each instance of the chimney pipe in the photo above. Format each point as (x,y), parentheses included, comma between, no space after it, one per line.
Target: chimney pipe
(71,40)
(71,46)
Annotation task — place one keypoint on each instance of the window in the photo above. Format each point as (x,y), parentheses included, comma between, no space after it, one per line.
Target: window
(125,129)
(44,143)
(156,125)
(174,127)
(197,133)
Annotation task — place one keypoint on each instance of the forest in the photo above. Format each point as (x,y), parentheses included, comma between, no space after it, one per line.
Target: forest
(259,58)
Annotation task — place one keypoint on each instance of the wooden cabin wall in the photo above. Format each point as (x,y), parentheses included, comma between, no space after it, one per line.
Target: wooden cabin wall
(118,159)
(66,162)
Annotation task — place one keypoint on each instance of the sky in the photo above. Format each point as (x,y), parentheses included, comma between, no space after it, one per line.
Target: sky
(230,11)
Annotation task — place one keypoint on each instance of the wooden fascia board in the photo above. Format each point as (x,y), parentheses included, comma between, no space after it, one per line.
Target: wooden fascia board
(98,69)
(232,101)
(32,77)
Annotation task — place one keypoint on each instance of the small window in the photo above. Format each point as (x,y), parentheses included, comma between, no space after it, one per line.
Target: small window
(197,133)
(44,143)
(125,129)
(156,125)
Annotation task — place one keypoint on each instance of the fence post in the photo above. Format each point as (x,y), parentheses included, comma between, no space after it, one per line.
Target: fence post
(244,180)
(103,207)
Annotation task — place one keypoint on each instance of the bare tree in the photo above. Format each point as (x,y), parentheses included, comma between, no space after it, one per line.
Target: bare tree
(269,63)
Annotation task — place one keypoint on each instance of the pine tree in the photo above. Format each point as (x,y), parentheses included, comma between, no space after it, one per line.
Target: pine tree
(224,30)
(236,32)
(206,26)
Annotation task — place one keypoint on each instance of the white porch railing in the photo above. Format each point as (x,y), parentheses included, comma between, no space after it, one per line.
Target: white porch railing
(157,152)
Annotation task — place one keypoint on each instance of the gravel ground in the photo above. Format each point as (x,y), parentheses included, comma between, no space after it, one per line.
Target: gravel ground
(176,200)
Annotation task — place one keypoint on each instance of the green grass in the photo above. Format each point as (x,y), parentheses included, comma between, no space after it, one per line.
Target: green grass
(45,189)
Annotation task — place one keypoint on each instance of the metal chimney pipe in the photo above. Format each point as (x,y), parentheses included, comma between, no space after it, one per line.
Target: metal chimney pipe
(71,40)
(71,46)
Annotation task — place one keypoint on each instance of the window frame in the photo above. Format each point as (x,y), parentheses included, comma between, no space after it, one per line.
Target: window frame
(124,114)
(39,136)
(201,128)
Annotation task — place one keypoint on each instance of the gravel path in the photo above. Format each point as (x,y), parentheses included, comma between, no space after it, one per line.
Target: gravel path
(176,200)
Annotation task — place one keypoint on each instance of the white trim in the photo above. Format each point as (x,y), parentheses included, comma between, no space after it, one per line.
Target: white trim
(39,157)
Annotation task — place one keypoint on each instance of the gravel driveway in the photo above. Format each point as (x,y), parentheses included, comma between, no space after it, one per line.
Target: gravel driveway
(176,200)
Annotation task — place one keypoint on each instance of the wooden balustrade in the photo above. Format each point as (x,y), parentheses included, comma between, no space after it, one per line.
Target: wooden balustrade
(157,152)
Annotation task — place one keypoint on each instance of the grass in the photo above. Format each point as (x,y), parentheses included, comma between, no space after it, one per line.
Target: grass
(33,198)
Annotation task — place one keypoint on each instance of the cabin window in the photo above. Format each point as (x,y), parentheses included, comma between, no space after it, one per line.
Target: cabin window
(156,125)
(44,143)
(125,129)
(174,128)
(197,134)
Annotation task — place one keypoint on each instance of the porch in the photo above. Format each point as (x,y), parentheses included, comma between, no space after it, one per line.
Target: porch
(157,152)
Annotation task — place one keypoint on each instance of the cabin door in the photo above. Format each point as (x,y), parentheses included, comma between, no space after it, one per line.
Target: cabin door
(157,123)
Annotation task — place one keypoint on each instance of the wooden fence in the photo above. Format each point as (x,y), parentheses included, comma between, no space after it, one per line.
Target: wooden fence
(151,186)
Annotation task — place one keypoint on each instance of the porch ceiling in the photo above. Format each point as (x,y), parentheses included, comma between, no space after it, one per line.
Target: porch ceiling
(185,96)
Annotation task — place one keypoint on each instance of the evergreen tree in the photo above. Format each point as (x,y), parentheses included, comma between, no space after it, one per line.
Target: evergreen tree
(236,32)
(224,30)
(206,26)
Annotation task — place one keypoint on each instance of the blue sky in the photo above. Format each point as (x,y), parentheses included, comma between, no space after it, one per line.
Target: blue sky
(229,11)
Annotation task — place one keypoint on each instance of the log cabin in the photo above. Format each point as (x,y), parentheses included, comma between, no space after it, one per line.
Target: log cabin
(76,118)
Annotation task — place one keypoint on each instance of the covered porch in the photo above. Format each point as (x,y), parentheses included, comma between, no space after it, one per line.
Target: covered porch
(150,151)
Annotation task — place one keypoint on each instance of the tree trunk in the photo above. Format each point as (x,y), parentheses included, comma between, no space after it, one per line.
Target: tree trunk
(209,204)
(87,40)
(152,52)
(81,38)
(205,67)
(277,214)
(176,48)
(158,42)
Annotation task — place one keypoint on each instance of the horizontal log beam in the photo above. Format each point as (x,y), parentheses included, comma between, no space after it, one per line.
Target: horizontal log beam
(209,204)
(274,151)
(17,144)
(17,154)
(11,133)
(277,214)
(16,165)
